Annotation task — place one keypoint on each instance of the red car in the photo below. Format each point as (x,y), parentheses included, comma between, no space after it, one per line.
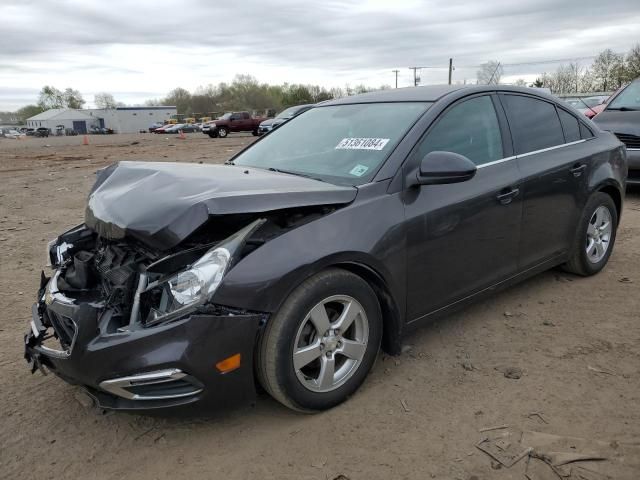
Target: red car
(162,128)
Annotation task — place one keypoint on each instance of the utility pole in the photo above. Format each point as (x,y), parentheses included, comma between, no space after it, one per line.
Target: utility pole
(450,69)
(415,75)
(396,72)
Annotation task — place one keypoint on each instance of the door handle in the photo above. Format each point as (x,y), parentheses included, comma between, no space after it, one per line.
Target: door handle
(506,196)
(577,170)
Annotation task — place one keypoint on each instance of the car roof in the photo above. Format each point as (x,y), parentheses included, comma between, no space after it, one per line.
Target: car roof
(431,93)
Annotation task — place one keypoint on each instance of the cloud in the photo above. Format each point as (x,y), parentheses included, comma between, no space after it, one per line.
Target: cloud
(122,46)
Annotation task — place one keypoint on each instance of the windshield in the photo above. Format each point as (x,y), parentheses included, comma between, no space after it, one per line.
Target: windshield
(628,99)
(342,144)
(226,116)
(288,113)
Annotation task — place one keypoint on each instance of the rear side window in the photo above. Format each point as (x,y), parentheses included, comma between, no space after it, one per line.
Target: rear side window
(585,132)
(469,128)
(534,123)
(570,125)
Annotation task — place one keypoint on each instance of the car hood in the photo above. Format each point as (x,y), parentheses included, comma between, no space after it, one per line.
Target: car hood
(160,204)
(617,121)
(268,122)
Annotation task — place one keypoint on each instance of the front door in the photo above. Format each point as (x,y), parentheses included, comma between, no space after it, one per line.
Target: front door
(555,168)
(462,238)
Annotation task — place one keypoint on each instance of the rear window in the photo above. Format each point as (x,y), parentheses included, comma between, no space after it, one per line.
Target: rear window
(570,125)
(534,123)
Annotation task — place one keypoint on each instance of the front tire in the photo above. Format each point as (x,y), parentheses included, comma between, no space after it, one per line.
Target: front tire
(319,347)
(222,132)
(596,236)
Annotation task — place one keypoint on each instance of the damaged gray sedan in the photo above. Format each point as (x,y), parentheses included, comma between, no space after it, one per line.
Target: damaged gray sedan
(293,264)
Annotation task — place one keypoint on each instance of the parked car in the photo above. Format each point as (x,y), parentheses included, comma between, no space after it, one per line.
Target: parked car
(30,132)
(163,128)
(235,122)
(155,125)
(184,127)
(622,117)
(587,105)
(208,128)
(282,117)
(335,234)
(41,132)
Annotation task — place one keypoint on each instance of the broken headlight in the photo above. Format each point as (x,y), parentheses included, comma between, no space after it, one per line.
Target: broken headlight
(167,299)
(176,295)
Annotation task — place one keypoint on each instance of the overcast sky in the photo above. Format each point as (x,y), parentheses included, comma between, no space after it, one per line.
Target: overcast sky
(142,49)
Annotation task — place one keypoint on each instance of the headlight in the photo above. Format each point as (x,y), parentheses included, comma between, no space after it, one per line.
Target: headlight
(202,279)
(175,295)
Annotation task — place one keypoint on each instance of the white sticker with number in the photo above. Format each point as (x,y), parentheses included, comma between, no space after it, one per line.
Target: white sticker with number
(362,143)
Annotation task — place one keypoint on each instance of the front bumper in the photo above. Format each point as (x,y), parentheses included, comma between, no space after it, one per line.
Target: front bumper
(146,368)
(633,161)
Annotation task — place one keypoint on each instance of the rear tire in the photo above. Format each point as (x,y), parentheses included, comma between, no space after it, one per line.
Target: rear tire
(305,360)
(595,236)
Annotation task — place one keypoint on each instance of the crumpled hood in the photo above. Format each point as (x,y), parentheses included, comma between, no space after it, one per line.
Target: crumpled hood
(160,204)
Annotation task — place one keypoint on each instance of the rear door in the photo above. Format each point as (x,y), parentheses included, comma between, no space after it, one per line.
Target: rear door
(554,165)
(462,238)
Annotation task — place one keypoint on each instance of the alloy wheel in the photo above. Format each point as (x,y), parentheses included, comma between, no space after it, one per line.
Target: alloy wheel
(598,234)
(330,343)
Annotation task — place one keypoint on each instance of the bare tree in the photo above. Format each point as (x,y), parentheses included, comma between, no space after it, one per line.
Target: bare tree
(608,70)
(104,100)
(73,98)
(50,97)
(632,63)
(489,73)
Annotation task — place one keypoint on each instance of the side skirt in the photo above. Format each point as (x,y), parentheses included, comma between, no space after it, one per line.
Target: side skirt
(486,292)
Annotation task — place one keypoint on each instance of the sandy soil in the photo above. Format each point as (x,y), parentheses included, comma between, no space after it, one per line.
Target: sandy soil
(419,415)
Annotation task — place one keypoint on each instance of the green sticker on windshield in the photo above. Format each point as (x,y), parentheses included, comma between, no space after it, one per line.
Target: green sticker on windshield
(359,170)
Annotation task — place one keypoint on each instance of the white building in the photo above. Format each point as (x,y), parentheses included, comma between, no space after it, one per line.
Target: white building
(131,119)
(77,120)
(120,119)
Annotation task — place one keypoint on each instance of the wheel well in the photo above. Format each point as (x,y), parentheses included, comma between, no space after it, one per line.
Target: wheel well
(391,324)
(615,195)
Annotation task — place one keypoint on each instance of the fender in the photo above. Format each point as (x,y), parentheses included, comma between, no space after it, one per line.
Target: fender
(349,238)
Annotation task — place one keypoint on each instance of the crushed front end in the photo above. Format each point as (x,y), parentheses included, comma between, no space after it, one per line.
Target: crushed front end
(135,327)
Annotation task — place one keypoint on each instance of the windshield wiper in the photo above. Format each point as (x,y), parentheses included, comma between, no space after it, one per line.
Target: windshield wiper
(299,174)
(624,109)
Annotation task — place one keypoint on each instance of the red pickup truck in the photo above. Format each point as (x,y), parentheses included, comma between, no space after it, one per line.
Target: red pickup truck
(234,122)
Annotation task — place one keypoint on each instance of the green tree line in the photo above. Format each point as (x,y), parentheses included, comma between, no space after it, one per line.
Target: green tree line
(246,93)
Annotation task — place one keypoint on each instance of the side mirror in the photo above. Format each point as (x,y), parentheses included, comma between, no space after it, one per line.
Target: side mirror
(438,168)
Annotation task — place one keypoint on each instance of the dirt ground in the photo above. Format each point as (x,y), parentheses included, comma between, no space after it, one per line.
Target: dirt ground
(576,340)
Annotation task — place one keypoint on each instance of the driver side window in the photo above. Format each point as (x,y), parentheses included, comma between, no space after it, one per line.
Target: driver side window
(469,128)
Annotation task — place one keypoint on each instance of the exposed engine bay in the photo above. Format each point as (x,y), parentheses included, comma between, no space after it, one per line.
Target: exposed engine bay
(140,286)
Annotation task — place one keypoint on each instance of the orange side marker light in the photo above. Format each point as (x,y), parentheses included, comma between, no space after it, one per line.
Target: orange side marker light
(229,364)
